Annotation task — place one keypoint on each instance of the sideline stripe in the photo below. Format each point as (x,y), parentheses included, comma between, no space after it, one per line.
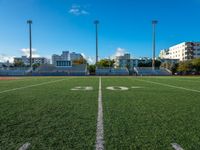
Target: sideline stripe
(25,146)
(34,85)
(100,131)
(176,146)
(172,86)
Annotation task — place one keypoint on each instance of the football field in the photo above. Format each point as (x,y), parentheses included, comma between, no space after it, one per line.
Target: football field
(150,113)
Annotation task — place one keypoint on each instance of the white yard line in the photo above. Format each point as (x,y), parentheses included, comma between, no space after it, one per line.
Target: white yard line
(29,86)
(176,146)
(172,86)
(25,146)
(100,131)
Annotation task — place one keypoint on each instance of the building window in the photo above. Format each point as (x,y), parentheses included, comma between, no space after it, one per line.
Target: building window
(63,63)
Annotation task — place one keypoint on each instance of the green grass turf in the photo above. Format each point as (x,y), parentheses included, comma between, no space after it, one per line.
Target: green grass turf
(51,116)
(152,117)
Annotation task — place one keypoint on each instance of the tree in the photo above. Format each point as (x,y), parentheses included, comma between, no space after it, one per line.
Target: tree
(196,64)
(170,66)
(92,69)
(157,63)
(80,61)
(185,67)
(36,65)
(149,64)
(174,68)
(106,63)
(19,64)
(128,66)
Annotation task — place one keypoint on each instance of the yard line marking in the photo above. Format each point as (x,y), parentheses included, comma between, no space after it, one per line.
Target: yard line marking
(176,146)
(172,86)
(100,131)
(117,88)
(34,85)
(136,87)
(25,146)
(82,88)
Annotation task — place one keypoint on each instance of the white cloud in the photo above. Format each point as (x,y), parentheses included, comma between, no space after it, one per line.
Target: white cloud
(78,10)
(90,60)
(26,52)
(119,52)
(84,12)
(5,58)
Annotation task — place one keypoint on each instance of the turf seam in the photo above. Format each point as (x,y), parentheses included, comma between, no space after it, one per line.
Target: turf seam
(100,128)
(29,86)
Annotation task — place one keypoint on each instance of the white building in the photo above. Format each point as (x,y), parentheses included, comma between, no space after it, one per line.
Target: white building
(36,60)
(62,60)
(65,59)
(125,61)
(164,54)
(75,56)
(1,65)
(183,51)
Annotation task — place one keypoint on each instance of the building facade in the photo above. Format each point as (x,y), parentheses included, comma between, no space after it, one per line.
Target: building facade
(75,56)
(164,54)
(65,59)
(36,60)
(125,62)
(62,60)
(183,51)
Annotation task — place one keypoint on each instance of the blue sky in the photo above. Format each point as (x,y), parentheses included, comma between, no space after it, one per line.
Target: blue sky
(68,25)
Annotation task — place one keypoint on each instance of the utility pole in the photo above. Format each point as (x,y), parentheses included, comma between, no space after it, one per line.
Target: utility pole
(29,22)
(154,22)
(96,22)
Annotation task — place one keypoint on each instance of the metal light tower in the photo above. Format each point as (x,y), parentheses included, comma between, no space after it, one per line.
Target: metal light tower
(154,22)
(30,41)
(96,22)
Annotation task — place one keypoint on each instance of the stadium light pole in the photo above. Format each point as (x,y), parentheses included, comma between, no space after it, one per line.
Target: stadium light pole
(109,62)
(96,22)
(29,22)
(154,22)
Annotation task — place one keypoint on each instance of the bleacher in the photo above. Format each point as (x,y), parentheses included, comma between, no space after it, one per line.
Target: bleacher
(147,71)
(46,70)
(14,71)
(112,72)
(51,70)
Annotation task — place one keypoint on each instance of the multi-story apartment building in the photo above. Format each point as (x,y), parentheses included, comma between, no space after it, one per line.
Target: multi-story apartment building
(75,56)
(65,59)
(36,60)
(164,54)
(183,51)
(62,60)
(125,61)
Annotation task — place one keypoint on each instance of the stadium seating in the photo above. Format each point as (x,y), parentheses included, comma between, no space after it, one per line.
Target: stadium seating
(51,70)
(14,71)
(147,71)
(46,70)
(112,71)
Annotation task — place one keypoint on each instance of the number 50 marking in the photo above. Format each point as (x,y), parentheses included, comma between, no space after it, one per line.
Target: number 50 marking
(82,88)
(111,88)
